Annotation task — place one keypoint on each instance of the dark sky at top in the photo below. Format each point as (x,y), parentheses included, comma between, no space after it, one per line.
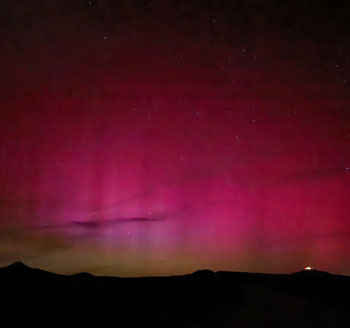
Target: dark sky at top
(159,137)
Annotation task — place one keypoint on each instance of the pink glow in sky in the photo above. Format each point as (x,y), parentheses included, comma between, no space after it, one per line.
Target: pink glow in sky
(158,137)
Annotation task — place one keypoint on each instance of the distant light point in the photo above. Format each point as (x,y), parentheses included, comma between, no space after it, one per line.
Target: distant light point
(308,268)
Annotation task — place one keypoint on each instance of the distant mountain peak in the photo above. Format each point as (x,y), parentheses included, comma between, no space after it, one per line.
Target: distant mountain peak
(312,272)
(204,273)
(19,264)
(83,274)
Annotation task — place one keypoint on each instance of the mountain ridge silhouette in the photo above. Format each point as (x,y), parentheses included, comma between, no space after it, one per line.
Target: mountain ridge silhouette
(204,298)
(19,265)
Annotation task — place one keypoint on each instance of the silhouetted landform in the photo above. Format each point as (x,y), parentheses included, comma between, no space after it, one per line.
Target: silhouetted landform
(36,298)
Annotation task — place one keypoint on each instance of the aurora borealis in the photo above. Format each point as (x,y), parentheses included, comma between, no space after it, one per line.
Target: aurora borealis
(160,137)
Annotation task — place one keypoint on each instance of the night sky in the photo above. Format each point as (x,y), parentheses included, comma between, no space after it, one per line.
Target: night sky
(161,137)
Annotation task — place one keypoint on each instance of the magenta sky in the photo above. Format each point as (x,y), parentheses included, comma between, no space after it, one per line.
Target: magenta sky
(160,137)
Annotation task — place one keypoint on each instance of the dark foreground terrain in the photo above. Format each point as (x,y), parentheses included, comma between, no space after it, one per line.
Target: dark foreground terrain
(36,298)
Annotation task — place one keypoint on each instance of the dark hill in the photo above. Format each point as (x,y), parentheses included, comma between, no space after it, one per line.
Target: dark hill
(32,297)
